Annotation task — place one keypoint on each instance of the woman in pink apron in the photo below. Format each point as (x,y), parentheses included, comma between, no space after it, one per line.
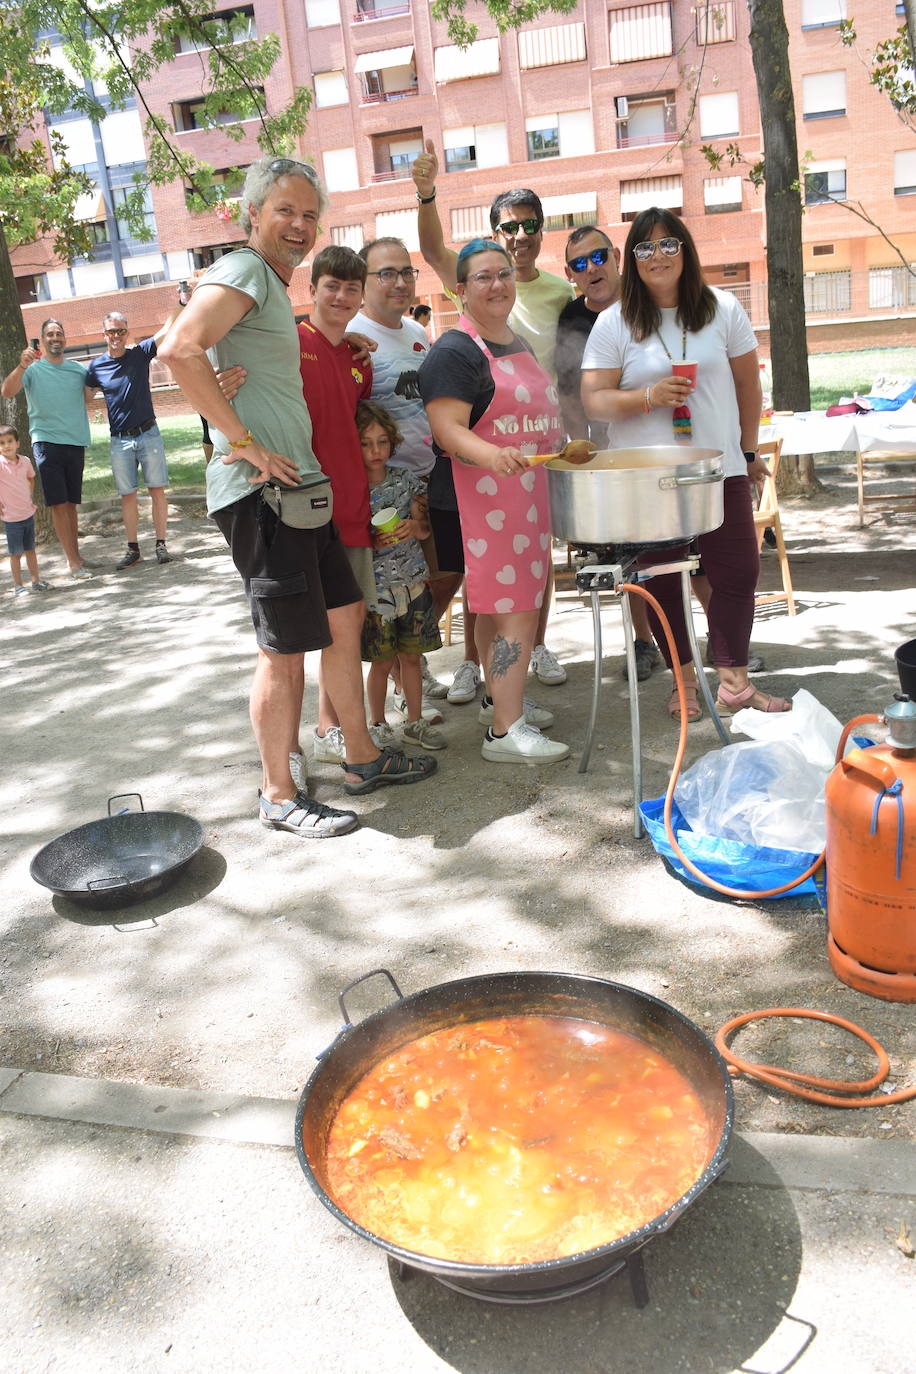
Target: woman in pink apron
(491,406)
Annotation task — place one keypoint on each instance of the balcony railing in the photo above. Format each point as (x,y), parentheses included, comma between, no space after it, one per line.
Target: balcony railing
(643,140)
(379,97)
(382,12)
(400,174)
(879,292)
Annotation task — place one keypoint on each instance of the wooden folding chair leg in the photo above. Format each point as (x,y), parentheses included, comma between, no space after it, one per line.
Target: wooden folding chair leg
(784,564)
(448,623)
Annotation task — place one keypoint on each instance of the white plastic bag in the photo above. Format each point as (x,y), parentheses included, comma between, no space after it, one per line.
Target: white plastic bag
(814,729)
(762,793)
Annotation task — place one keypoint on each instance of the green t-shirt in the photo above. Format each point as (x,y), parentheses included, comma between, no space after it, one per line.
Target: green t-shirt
(57,404)
(536,312)
(266,343)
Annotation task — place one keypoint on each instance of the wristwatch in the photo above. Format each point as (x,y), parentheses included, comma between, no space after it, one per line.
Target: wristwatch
(751,457)
(426,200)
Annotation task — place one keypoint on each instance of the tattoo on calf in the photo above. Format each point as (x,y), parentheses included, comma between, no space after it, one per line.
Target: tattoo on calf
(505,654)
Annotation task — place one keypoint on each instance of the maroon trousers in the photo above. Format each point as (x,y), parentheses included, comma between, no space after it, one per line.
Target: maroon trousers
(731,561)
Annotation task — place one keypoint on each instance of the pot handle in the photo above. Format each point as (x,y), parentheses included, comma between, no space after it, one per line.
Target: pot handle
(122,796)
(103,884)
(701,479)
(356,981)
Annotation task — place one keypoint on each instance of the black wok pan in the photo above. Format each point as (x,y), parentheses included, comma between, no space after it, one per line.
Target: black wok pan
(120,858)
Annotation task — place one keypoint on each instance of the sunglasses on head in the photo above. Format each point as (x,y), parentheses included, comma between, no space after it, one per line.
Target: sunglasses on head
(645,250)
(512,226)
(598,256)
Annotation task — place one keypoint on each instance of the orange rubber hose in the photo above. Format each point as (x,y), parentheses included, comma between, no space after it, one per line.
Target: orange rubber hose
(804,1085)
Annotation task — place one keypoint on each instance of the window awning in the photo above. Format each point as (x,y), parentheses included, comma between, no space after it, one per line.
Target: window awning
(481,58)
(583,203)
(388,57)
(665,192)
(90,207)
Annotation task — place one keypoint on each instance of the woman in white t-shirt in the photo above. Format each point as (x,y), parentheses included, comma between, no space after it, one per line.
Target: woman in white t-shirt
(667,313)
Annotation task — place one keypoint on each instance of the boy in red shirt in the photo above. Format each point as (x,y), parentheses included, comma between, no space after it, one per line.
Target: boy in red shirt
(333,385)
(17,510)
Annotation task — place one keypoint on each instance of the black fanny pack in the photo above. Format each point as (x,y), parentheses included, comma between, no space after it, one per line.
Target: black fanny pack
(302,508)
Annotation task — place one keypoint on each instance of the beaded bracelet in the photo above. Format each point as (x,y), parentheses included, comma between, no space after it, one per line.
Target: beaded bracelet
(647,402)
(247,438)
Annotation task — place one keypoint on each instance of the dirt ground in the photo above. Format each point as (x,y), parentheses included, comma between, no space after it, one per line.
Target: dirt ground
(228,981)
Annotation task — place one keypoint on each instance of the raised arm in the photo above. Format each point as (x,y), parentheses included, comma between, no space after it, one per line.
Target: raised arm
(443,260)
(12,385)
(213,310)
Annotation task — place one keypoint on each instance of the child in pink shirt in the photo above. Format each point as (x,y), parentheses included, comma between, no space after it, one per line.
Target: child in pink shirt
(17,510)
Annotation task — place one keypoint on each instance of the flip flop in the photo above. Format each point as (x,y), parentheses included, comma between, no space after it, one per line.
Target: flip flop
(693,703)
(391,768)
(728,702)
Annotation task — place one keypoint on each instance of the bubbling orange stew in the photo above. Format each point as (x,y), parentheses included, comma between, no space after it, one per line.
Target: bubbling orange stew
(515,1140)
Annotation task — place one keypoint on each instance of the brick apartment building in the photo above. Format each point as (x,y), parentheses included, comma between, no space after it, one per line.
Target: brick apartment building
(590,111)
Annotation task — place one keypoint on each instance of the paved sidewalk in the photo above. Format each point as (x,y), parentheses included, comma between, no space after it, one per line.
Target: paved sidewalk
(165,1229)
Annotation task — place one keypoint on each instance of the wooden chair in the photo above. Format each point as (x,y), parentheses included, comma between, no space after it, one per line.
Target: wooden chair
(767,516)
(885,504)
(453,608)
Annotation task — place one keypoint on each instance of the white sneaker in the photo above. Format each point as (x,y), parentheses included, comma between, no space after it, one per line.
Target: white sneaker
(422,733)
(534,715)
(464,683)
(432,687)
(523,744)
(432,714)
(544,664)
(382,735)
(329,747)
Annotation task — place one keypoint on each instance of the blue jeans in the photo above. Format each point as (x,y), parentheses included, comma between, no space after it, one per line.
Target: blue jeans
(130,453)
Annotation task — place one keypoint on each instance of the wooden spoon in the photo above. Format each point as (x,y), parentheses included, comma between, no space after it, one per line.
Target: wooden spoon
(578,451)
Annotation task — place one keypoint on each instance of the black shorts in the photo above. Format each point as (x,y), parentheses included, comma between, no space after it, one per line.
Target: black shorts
(60,471)
(292,577)
(446,528)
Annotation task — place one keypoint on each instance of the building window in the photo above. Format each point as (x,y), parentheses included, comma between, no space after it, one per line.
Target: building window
(715,23)
(388,74)
(828,292)
(543,142)
(144,279)
(721,195)
(641,31)
(570,212)
(330,89)
(321,14)
(191,114)
(32,289)
(459,64)
(666,192)
(905,173)
(206,257)
(824,95)
(349,236)
(236,25)
(394,157)
(463,159)
(340,169)
(471,222)
(822,14)
(824,183)
(892,288)
(119,195)
(399,224)
(822,250)
(226,185)
(645,119)
(719,115)
(378,9)
(552,47)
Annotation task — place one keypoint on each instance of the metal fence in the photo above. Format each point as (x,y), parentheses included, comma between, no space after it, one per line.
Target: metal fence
(840,295)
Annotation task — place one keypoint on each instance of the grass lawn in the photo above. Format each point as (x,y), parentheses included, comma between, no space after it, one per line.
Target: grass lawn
(844,374)
(181,434)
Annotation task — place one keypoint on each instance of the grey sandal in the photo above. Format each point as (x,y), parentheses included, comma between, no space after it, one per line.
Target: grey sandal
(391,768)
(305,817)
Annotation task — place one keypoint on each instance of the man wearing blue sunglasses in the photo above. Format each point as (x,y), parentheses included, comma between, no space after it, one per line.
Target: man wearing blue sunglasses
(591,266)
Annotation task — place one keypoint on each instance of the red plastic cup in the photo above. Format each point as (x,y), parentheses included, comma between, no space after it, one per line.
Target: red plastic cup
(686,369)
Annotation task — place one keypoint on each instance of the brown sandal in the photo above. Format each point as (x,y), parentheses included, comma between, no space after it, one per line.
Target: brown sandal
(693,703)
(728,702)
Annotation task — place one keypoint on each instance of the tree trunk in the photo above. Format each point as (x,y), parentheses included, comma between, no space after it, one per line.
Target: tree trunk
(909,9)
(785,291)
(796,476)
(15,411)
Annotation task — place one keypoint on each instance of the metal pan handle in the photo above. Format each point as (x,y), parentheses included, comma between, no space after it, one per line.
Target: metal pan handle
(356,982)
(122,796)
(101,884)
(701,479)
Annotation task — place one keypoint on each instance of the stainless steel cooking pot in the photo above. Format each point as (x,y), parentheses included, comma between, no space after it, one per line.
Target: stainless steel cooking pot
(360,1046)
(636,495)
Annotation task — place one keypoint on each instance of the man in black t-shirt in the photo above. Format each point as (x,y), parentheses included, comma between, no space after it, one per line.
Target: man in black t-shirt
(591,265)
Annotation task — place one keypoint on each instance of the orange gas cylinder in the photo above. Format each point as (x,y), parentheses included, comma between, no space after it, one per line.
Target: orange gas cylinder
(871,864)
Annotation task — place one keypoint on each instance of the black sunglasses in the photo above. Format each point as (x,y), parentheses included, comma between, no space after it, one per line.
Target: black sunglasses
(598,256)
(512,226)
